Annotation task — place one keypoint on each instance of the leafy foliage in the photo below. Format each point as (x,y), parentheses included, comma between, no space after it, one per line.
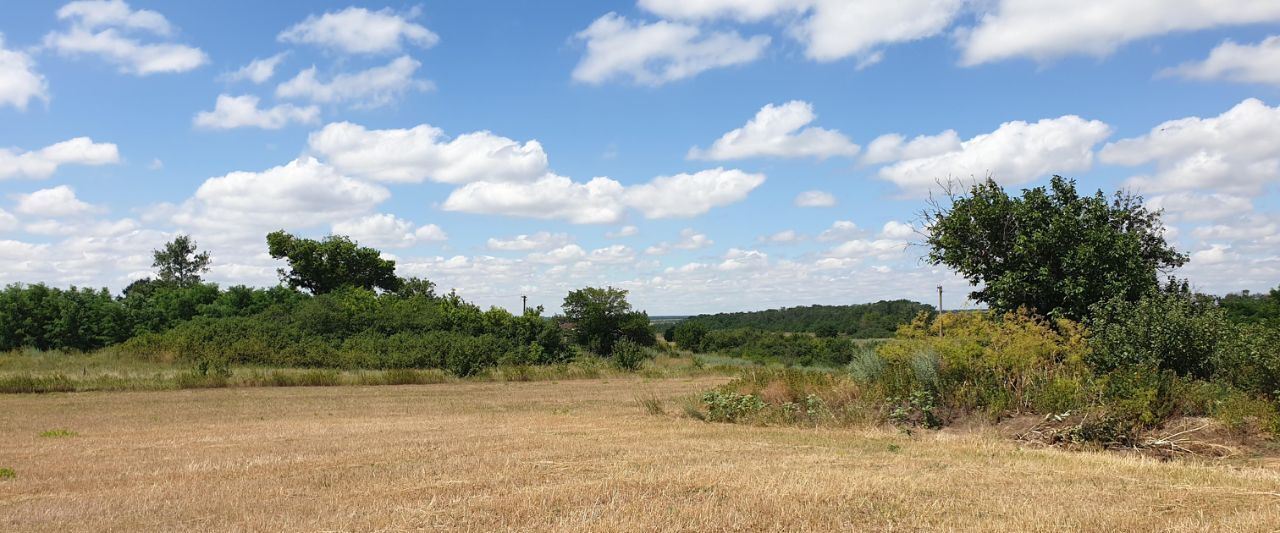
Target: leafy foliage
(864,321)
(600,318)
(330,264)
(179,264)
(1051,250)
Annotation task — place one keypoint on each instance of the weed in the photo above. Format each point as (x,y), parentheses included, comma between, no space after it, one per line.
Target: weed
(7,473)
(652,405)
(58,433)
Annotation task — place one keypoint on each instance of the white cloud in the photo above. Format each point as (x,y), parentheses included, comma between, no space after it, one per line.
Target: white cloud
(243,111)
(387,230)
(94,14)
(616,254)
(883,249)
(8,222)
(373,87)
(53,202)
(815,199)
(1234,152)
(895,230)
(894,147)
(789,236)
(44,162)
(598,201)
(841,28)
(564,254)
(688,195)
(829,29)
(356,30)
(1044,30)
(689,240)
(1181,206)
(541,240)
(1258,63)
(625,231)
(1015,153)
(1213,255)
(103,27)
(19,81)
(424,153)
(258,70)
(779,131)
(841,230)
(303,193)
(660,52)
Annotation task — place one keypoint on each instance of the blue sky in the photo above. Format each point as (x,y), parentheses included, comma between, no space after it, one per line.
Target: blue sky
(707,155)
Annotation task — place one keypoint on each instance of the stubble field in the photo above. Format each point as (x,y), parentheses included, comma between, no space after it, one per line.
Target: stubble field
(570,455)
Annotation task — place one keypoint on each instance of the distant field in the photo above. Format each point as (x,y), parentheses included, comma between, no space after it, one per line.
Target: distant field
(571,455)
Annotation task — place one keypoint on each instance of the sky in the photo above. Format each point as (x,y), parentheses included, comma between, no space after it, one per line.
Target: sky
(705,155)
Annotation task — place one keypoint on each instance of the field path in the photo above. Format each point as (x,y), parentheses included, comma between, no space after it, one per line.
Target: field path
(570,455)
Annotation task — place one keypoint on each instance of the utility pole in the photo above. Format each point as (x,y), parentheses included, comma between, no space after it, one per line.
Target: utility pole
(939,310)
(524,304)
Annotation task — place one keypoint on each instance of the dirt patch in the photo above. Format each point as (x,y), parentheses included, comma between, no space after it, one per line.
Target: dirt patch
(1183,437)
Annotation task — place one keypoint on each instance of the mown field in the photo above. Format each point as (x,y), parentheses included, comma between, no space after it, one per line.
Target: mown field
(567,455)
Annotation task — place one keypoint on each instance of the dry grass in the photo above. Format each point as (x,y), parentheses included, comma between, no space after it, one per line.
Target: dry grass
(575,455)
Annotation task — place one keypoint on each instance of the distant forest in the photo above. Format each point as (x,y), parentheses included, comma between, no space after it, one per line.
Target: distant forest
(864,321)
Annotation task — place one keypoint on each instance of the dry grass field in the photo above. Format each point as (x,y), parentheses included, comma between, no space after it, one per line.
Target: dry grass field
(572,455)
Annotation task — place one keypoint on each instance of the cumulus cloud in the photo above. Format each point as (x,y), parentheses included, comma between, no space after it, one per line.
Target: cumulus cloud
(659,52)
(1015,153)
(373,87)
(425,153)
(387,230)
(598,201)
(108,28)
(894,147)
(789,236)
(829,29)
(688,195)
(689,240)
(1257,63)
(625,231)
(243,111)
(841,230)
(1188,206)
(19,81)
(779,131)
(8,222)
(303,193)
(44,162)
(541,240)
(53,202)
(815,199)
(356,30)
(882,249)
(895,230)
(1046,30)
(1234,152)
(257,71)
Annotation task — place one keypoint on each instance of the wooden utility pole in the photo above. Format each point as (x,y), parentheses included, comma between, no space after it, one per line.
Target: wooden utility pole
(524,304)
(939,310)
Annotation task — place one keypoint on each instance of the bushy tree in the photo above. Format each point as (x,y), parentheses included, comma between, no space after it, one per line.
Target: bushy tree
(1050,250)
(1168,330)
(332,263)
(179,263)
(602,317)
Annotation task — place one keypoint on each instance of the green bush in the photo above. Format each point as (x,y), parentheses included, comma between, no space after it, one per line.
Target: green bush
(628,355)
(1168,330)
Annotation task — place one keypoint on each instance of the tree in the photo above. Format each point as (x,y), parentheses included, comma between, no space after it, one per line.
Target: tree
(179,263)
(602,317)
(1051,250)
(327,265)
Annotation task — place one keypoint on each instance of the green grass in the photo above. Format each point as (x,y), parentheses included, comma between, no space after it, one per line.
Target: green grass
(58,433)
(7,473)
(32,371)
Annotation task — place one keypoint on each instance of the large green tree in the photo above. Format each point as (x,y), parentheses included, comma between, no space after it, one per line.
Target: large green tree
(1051,250)
(602,317)
(179,263)
(332,263)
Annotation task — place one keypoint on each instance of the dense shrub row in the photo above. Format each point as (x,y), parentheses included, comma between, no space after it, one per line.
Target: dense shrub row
(864,321)
(1137,365)
(768,347)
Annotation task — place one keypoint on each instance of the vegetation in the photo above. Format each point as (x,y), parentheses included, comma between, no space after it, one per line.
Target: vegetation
(331,264)
(602,318)
(1050,250)
(179,264)
(863,321)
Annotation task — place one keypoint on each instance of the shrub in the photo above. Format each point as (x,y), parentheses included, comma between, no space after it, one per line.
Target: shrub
(1167,330)
(629,356)
(731,406)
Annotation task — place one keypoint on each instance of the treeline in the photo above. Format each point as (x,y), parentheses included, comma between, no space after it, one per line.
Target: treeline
(862,321)
(341,306)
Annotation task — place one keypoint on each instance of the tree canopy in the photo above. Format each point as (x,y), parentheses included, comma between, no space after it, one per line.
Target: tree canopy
(1050,250)
(327,265)
(178,262)
(602,317)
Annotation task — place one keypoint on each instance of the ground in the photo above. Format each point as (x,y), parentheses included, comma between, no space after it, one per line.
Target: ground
(568,455)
